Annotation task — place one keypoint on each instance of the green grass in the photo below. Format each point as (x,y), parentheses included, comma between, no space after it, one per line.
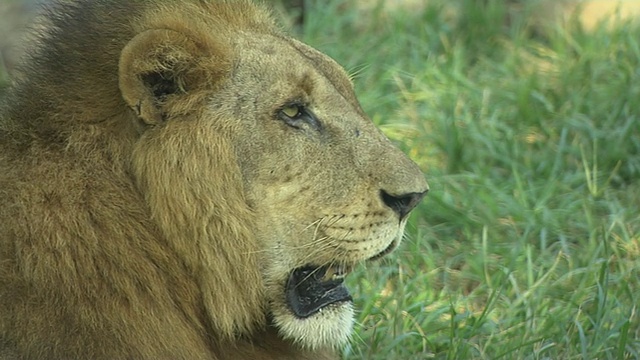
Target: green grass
(528,245)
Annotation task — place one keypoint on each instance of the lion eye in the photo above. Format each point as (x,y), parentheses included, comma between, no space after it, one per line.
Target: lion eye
(298,116)
(291,111)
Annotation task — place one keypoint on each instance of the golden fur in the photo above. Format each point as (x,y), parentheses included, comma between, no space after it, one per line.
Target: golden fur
(154,198)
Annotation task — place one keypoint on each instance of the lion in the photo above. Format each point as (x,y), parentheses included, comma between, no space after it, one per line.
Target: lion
(182,180)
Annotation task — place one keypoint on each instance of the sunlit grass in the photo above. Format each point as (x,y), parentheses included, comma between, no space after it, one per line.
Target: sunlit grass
(528,245)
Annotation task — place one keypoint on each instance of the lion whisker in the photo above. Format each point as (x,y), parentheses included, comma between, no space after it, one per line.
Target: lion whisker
(314,223)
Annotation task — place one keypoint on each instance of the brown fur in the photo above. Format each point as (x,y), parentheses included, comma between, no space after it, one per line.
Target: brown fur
(152,203)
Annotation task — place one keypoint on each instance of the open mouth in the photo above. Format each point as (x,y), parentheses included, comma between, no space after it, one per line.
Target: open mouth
(310,289)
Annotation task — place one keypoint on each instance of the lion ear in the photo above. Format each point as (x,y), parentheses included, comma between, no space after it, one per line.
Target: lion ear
(162,72)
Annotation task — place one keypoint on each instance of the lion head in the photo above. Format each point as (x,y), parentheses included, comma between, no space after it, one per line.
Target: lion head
(244,151)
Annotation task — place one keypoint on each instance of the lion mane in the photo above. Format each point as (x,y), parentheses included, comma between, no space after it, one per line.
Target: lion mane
(181,180)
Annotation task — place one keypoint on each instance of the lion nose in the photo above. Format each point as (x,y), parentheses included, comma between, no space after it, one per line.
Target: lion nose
(402,204)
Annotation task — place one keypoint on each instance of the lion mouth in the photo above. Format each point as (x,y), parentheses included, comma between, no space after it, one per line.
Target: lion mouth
(310,289)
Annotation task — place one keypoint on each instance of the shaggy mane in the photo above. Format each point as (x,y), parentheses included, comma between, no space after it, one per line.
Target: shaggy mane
(87,251)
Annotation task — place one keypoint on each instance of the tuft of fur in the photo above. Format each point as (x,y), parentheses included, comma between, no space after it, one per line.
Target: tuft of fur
(152,203)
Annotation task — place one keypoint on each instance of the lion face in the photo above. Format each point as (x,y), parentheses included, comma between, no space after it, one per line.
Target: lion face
(269,132)
(329,190)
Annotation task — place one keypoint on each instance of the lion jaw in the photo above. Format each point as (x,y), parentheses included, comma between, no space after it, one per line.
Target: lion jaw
(331,326)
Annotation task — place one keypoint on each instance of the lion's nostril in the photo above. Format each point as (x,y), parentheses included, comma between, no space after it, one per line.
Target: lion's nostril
(402,204)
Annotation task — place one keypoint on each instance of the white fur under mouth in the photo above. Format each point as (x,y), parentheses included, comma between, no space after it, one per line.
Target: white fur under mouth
(330,327)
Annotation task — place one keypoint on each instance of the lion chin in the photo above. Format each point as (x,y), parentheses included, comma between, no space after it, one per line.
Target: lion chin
(182,180)
(330,327)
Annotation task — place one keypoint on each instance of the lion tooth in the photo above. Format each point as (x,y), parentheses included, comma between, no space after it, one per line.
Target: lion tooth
(328,275)
(334,273)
